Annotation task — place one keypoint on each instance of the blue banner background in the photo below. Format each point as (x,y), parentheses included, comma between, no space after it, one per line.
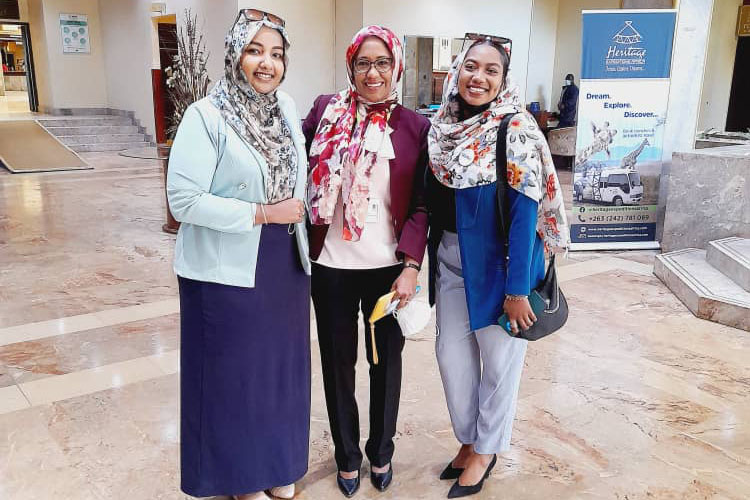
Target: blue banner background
(654,31)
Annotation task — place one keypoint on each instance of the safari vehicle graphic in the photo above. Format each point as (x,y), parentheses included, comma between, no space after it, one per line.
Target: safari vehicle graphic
(616,186)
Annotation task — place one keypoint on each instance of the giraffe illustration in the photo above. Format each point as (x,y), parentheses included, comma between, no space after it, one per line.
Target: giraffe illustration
(629,160)
(602,139)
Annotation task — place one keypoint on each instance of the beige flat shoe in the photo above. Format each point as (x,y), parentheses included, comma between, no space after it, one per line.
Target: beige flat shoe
(284,492)
(261,495)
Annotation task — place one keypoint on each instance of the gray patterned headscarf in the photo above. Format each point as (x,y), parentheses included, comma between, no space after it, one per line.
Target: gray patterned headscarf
(254,116)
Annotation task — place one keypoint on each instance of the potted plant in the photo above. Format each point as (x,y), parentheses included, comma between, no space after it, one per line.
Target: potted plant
(187,82)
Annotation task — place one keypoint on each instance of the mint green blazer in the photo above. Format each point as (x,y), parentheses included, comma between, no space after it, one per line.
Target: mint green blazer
(214,183)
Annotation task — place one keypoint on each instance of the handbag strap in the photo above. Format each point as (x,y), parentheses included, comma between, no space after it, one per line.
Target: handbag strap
(501,166)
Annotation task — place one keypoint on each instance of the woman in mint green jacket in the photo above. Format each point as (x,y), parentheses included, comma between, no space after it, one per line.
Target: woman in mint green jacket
(236,180)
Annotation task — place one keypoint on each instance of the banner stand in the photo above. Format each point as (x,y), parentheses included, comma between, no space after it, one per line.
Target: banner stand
(622,111)
(626,245)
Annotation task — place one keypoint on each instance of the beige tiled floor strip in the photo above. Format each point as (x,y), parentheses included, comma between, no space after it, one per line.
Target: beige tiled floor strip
(72,324)
(70,385)
(62,387)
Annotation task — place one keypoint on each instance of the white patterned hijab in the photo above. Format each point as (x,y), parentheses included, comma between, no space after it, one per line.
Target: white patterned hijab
(254,116)
(463,153)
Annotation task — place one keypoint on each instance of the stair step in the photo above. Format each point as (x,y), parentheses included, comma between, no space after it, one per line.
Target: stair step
(707,292)
(107,146)
(86,121)
(71,140)
(731,256)
(93,130)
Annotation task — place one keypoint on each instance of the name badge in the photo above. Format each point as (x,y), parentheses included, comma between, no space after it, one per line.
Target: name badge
(373,211)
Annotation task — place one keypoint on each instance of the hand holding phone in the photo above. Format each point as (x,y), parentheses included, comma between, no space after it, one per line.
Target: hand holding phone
(537,305)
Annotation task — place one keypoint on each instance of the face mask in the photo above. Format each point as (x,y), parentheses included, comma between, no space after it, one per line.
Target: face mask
(568,83)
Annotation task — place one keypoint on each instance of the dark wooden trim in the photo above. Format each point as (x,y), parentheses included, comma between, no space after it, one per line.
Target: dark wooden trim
(9,10)
(158,97)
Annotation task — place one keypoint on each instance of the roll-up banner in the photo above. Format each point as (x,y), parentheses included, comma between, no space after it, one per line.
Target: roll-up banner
(627,56)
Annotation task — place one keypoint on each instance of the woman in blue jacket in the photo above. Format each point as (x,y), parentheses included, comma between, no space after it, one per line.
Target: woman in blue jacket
(236,180)
(474,280)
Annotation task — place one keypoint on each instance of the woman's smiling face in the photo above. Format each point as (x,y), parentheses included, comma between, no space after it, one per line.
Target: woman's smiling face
(263,60)
(480,78)
(372,85)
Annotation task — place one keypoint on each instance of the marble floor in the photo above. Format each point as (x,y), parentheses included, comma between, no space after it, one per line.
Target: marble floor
(14,102)
(634,399)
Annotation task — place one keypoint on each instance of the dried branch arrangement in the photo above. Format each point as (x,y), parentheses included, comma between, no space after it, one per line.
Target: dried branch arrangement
(187,78)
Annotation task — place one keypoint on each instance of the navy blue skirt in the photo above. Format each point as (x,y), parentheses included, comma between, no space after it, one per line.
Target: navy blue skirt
(245,376)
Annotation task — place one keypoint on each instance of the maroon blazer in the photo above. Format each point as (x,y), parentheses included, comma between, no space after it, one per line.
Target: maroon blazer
(408,210)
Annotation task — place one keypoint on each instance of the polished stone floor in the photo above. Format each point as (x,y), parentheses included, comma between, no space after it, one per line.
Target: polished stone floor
(634,399)
(14,102)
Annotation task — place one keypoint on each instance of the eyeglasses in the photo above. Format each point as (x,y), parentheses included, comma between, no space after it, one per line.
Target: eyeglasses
(499,41)
(383,65)
(260,15)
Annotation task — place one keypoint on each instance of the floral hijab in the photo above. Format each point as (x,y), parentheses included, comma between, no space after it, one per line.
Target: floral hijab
(348,122)
(462,153)
(254,116)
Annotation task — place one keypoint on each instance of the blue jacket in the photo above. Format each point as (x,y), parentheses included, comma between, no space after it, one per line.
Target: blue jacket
(487,274)
(215,182)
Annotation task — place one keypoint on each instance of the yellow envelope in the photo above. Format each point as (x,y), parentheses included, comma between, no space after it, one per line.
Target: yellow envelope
(381,309)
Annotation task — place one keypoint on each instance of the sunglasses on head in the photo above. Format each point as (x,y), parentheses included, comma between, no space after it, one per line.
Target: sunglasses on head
(498,41)
(260,15)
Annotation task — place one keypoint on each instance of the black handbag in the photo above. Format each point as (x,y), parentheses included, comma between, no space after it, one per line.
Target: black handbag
(553,311)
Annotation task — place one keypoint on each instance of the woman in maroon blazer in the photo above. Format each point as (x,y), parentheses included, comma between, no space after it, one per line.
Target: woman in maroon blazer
(368,231)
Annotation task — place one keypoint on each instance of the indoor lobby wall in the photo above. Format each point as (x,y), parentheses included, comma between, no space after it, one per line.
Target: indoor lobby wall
(73,80)
(542,43)
(348,21)
(722,48)
(126,36)
(39,50)
(127,32)
(568,50)
(310,25)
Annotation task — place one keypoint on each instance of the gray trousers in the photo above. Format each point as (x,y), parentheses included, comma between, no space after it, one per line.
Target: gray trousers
(481,370)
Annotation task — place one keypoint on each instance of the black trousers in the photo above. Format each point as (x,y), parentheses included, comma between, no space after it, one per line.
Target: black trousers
(338,295)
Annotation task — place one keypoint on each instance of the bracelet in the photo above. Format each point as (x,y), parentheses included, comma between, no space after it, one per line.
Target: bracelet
(515,298)
(413,266)
(263,211)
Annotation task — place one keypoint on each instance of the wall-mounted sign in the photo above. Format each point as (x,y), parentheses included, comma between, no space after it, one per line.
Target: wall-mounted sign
(9,9)
(743,21)
(74,29)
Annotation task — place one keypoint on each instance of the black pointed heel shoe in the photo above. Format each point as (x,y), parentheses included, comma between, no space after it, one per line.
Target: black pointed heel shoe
(450,472)
(458,491)
(382,480)
(348,486)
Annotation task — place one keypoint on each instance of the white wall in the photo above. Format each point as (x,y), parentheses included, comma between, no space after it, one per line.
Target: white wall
(568,50)
(39,49)
(215,17)
(126,36)
(542,53)
(348,20)
(688,74)
(77,80)
(310,27)
(452,18)
(23,10)
(722,48)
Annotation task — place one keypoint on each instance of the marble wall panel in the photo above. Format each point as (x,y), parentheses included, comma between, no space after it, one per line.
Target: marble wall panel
(709,197)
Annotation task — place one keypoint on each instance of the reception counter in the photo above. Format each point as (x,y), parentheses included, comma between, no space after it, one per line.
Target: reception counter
(15,80)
